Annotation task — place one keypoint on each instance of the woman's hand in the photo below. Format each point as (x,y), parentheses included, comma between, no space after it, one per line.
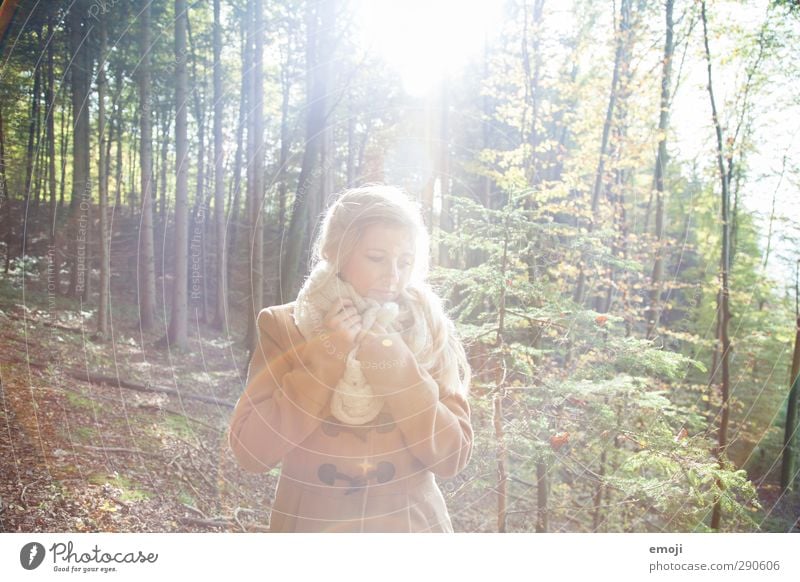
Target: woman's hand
(343,324)
(385,360)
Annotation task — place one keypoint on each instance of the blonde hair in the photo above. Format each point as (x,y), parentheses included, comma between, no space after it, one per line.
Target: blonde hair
(343,225)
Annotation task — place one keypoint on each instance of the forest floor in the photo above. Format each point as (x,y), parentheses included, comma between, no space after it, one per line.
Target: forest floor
(83,452)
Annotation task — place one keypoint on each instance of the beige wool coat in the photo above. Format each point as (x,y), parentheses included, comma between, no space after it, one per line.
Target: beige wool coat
(377,477)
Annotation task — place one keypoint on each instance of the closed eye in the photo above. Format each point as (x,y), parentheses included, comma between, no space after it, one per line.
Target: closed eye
(380,260)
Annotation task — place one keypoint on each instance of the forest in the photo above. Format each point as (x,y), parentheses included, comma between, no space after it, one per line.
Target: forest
(611,190)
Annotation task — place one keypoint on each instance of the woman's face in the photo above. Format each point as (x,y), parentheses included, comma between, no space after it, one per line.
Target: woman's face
(381,263)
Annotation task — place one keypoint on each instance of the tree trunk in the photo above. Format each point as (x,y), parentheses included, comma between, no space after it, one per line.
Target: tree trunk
(219,183)
(236,184)
(542,495)
(200,209)
(178,332)
(442,165)
(40,167)
(327,153)
(162,200)
(306,207)
(147,276)
(501,456)
(532,100)
(132,204)
(80,203)
(283,175)
(3,187)
(51,137)
(351,140)
(29,151)
(597,514)
(66,119)
(255,189)
(788,474)
(622,40)
(500,392)
(724,311)
(615,191)
(112,129)
(654,313)
(120,121)
(105,263)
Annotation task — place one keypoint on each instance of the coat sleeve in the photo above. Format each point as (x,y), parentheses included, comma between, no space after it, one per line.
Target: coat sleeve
(282,402)
(436,429)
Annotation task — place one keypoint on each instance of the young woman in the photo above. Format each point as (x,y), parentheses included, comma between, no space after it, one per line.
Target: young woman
(359,386)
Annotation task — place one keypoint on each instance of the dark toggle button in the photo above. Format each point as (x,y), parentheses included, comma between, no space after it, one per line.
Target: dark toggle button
(384,472)
(328,474)
(383,423)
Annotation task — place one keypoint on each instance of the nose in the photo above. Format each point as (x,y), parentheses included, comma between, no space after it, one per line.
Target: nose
(393,271)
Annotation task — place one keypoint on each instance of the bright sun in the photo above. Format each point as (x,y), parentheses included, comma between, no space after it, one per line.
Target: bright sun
(425,39)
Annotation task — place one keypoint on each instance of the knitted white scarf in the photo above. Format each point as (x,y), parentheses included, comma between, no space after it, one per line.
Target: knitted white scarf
(353,400)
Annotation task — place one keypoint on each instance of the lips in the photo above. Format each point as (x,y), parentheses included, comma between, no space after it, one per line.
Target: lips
(384,294)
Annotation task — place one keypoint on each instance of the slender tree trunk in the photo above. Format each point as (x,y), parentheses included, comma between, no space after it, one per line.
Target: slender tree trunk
(51,135)
(597,514)
(724,311)
(502,461)
(80,203)
(147,277)
(615,190)
(283,175)
(29,151)
(3,187)
(499,393)
(532,90)
(327,154)
(255,190)
(112,128)
(162,200)
(200,209)
(161,218)
(105,262)
(306,207)
(66,119)
(120,122)
(654,313)
(444,222)
(788,474)
(40,167)
(772,219)
(542,495)
(622,40)
(178,332)
(236,184)
(219,183)
(351,140)
(132,154)
(156,167)
(285,146)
